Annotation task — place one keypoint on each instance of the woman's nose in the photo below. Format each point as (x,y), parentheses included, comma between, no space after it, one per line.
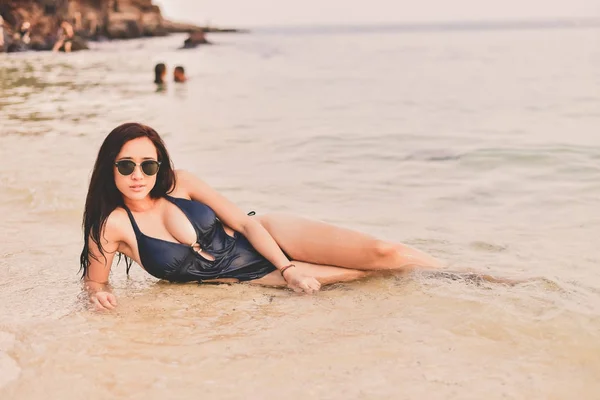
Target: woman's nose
(137,172)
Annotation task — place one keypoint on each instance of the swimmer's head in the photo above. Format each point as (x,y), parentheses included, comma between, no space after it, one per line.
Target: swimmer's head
(160,71)
(179,74)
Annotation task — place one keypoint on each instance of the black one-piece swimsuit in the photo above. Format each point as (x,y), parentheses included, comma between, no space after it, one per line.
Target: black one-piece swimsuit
(233,256)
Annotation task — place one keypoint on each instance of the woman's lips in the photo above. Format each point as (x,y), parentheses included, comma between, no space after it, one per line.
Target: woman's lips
(137,188)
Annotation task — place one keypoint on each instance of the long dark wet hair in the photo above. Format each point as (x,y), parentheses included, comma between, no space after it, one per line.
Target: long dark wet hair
(103,197)
(159,70)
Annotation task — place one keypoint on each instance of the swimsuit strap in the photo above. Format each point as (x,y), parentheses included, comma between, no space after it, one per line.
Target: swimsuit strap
(171,198)
(136,229)
(137,232)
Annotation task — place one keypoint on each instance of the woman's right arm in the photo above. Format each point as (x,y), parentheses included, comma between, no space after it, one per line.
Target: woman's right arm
(96,278)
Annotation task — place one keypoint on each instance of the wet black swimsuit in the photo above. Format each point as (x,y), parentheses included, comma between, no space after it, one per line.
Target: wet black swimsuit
(234,257)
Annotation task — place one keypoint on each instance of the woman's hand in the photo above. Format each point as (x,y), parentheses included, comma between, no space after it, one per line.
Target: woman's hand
(103,300)
(299,282)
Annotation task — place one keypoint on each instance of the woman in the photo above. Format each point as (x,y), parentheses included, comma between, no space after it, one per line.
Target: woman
(65,37)
(160,72)
(179,229)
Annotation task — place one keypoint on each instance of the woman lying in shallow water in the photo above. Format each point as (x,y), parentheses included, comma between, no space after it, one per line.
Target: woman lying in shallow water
(181,230)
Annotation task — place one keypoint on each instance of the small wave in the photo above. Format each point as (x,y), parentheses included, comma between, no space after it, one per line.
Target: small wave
(490,247)
(433,156)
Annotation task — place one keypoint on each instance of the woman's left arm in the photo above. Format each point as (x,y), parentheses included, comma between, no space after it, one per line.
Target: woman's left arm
(232,216)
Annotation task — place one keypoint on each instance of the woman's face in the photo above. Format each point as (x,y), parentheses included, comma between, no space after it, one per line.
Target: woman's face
(137,185)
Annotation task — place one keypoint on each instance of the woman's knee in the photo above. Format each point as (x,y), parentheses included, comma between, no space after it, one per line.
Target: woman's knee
(383,254)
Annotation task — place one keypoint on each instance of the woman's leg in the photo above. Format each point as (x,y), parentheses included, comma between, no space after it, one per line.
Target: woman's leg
(325,274)
(57,45)
(324,244)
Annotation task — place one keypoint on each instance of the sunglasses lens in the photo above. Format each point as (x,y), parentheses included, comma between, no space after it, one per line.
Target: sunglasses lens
(150,167)
(125,167)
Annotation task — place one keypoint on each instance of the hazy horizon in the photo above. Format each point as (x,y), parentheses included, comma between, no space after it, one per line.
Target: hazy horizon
(336,12)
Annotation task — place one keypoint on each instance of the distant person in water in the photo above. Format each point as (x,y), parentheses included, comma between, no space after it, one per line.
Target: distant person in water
(160,73)
(65,37)
(179,74)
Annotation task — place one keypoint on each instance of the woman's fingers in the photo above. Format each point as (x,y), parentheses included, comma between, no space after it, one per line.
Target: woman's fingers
(305,284)
(310,285)
(306,288)
(112,299)
(96,303)
(297,289)
(316,284)
(104,301)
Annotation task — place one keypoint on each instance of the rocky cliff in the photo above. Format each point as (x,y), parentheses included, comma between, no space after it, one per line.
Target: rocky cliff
(91,19)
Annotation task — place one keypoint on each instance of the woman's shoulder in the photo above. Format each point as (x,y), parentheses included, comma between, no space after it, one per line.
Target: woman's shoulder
(182,183)
(182,176)
(117,224)
(192,187)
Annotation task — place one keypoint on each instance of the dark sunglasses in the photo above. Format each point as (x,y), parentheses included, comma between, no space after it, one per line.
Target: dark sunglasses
(126,167)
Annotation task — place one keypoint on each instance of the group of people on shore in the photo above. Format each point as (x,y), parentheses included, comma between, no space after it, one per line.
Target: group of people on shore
(18,34)
(20,40)
(16,42)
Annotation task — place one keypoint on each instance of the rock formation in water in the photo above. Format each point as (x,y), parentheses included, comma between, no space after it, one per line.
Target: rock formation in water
(91,19)
(195,39)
